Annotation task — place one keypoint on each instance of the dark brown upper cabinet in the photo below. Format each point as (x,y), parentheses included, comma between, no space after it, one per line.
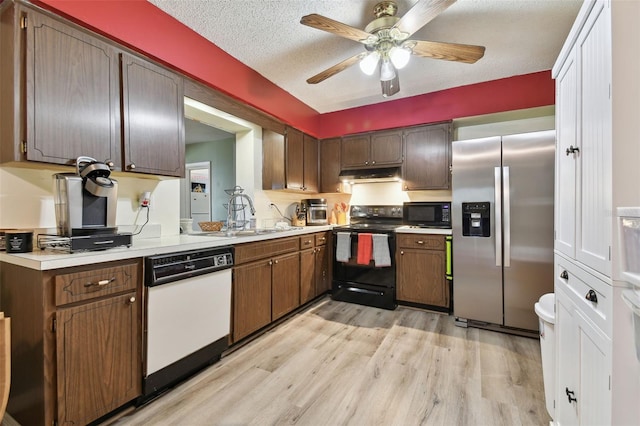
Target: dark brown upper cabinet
(63,93)
(330,167)
(153,118)
(371,150)
(71,103)
(427,153)
(289,162)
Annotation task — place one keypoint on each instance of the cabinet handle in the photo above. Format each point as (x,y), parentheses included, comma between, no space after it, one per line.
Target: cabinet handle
(564,275)
(132,299)
(419,242)
(271,262)
(373,162)
(366,162)
(570,395)
(100,283)
(275,261)
(572,150)
(132,166)
(592,296)
(323,238)
(401,252)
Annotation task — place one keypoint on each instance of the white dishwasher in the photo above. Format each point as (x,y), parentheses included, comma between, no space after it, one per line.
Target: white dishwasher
(188,314)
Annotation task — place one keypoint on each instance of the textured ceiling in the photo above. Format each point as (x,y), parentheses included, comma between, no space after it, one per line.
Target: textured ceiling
(520,36)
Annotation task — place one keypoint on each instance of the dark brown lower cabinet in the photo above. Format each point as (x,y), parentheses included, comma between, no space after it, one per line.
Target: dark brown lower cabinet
(76,350)
(251,298)
(307,275)
(96,370)
(421,266)
(285,284)
(322,269)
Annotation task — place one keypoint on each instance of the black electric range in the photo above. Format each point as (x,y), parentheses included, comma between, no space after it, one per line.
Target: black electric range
(364,267)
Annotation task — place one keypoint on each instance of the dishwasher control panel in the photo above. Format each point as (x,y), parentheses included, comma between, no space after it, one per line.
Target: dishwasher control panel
(165,268)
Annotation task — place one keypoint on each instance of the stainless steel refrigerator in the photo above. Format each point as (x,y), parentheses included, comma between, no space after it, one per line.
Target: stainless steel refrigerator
(502,228)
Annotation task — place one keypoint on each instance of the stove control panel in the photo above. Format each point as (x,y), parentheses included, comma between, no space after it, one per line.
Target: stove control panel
(381,212)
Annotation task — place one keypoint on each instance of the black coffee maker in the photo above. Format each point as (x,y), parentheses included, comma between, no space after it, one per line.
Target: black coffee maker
(86,201)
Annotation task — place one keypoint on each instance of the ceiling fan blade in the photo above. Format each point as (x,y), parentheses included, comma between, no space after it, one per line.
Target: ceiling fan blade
(420,15)
(466,53)
(329,72)
(334,27)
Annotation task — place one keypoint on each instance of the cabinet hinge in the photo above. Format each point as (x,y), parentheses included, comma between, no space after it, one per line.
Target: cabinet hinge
(23,22)
(23,147)
(54,325)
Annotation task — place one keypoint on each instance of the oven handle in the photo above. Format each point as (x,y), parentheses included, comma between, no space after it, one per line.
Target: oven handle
(361,290)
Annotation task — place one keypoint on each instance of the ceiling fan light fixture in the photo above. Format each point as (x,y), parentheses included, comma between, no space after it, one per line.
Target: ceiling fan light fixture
(399,56)
(387,72)
(370,62)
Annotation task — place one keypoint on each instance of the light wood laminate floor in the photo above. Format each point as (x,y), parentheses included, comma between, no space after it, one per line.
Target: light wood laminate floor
(344,364)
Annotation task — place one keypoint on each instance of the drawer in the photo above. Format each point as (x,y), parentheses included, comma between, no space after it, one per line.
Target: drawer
(307,241)
(322,238)
(579,286)
(420,241)
(249,252)
(91,284)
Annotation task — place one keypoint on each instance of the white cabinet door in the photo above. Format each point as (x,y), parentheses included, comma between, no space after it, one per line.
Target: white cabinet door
(566,128)
(594,201)
(594,394)
(566,362)
(583,349)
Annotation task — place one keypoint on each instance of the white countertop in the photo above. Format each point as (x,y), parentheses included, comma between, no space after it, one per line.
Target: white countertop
(52,259)
(413,230)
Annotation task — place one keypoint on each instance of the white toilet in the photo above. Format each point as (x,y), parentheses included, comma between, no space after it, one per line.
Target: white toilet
(545,308)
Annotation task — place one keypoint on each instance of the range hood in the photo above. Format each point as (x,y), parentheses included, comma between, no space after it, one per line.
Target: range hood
(387,174)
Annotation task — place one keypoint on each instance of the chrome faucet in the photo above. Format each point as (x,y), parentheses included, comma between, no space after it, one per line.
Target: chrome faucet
(234,207)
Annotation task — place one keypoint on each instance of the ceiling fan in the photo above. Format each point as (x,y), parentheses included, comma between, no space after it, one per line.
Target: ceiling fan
(386,42)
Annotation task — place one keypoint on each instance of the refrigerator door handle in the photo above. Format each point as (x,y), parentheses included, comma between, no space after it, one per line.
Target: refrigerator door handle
(506,217)
(498,213)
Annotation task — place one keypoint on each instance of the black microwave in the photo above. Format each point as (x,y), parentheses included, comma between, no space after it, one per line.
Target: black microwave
(427,214)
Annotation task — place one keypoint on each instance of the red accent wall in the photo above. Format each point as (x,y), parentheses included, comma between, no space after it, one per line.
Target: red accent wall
(507,94)
(143,27)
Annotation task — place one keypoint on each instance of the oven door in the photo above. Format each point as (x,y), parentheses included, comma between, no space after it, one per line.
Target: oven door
(364,284)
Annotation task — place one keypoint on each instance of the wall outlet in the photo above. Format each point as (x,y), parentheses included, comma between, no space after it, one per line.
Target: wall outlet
(145,199)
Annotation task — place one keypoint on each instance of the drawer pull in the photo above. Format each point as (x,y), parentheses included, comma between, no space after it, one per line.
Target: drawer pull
(419,242)
(100,283)
(570,395)
(401,252)
(132,299)
(564,275)
(592,296)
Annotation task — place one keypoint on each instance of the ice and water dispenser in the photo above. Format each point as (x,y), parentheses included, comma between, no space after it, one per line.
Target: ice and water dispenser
(476,219)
